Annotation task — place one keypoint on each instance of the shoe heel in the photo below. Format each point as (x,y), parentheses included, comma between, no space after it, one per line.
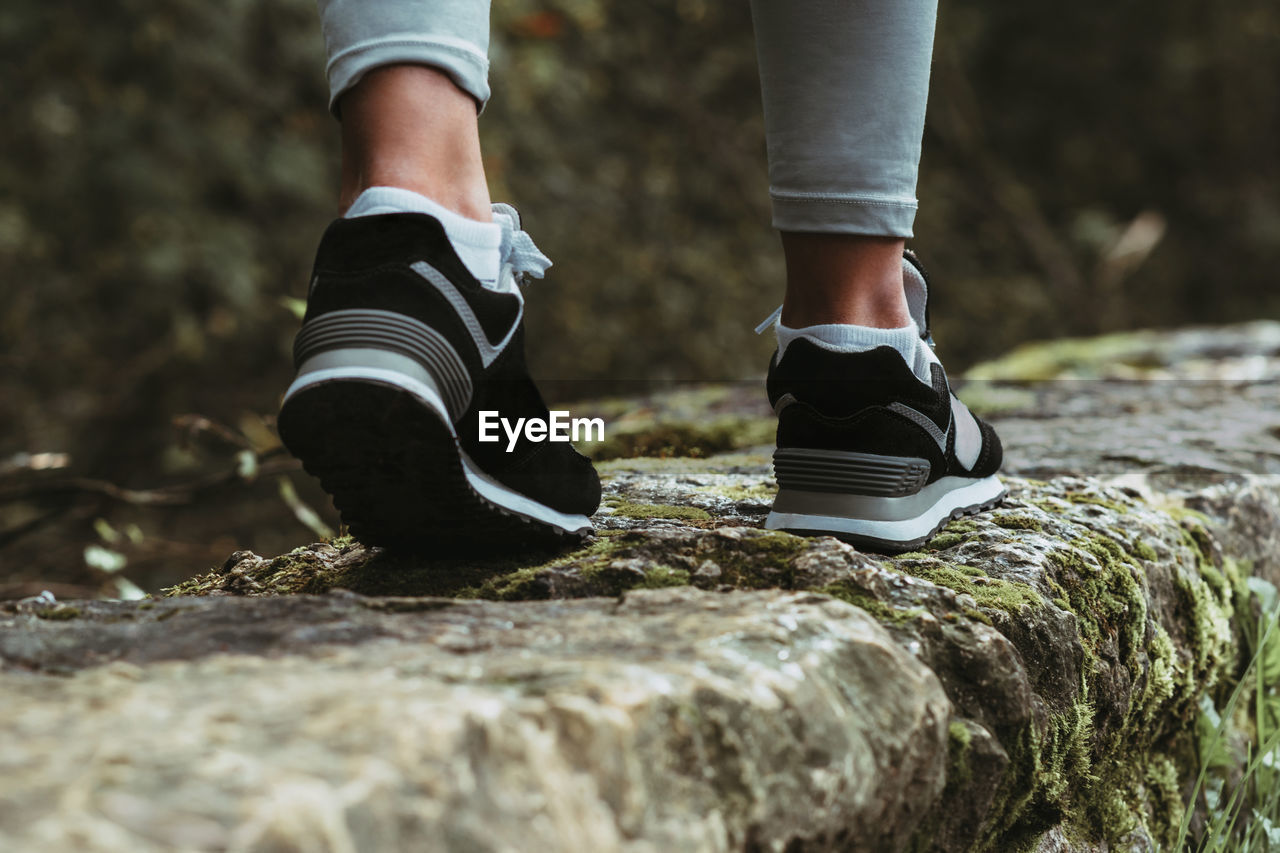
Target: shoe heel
(386,348)
(878,502)
(848,472)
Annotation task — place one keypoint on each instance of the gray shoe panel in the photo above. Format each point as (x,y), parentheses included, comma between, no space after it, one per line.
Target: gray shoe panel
(840,471)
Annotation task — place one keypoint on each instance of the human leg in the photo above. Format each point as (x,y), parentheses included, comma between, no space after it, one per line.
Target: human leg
(451,36)
(414,327)
(843,278)
(409,77)
(844,84)
(872,445)
(410,126)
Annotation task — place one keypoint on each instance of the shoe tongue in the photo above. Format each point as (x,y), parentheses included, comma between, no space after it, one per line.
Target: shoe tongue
(917,292)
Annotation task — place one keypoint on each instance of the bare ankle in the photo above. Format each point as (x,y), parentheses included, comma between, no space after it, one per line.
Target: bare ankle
(844,278)
(882,314)
(409,126)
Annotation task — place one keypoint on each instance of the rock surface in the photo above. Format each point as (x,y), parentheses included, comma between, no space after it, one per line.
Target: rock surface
(686,680)
(672,719)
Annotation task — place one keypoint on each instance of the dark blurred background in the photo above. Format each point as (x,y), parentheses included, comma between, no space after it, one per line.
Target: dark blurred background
(166,167)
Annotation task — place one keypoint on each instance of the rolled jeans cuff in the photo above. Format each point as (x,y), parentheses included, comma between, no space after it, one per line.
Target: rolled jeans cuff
(465,65)
(843,214)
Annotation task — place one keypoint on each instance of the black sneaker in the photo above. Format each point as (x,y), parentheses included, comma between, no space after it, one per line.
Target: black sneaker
(873,450)
(400,351)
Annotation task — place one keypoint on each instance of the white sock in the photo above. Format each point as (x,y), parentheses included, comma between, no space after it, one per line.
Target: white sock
(478,244)
(847,338)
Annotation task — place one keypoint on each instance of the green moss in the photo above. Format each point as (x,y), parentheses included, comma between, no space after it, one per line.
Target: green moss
(1208,597)
(299,571)
(1044,765)
(1104,593)
(767,562)
(1164,798)
(59,613)
(987,398)
(1184,513)
(343,542)
(959,773)
(604,568)
(1146,552)
(1096,500)
(990,593)
(754,493)
(1102,584)
(303,571)
(977,615)
(630,509)
(1140,788)
(956,532)
(1099,781)
(1053,505)
(1011,521)
(1065,758)
(531,582)
(761,561)
(1074,357)
(880,611)
(520,585)
(198,585)
(1009,806)
(958,741)
(659,577)
(946,540)
(1163,674)
(962,525)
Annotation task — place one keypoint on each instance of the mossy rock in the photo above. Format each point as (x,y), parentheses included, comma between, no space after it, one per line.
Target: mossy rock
(1075,629)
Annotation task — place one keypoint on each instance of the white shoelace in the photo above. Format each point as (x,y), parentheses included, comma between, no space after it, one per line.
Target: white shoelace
(769,321)
(518,251)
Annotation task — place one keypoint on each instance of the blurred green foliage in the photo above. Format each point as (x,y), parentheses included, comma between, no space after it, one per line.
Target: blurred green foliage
(167,165)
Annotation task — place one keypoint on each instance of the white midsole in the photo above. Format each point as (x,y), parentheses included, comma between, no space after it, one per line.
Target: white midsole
(483,485)
(423,392)
(972,495)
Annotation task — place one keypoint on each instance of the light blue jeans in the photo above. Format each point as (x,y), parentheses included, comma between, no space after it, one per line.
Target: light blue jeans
(844,84)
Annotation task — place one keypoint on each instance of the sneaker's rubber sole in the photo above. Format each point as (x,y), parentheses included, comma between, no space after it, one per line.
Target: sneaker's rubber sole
(385,450)
(884,524)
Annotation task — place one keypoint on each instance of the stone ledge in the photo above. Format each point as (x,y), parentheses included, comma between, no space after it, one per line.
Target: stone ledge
(686,681)
(1053,649)
(671,719)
